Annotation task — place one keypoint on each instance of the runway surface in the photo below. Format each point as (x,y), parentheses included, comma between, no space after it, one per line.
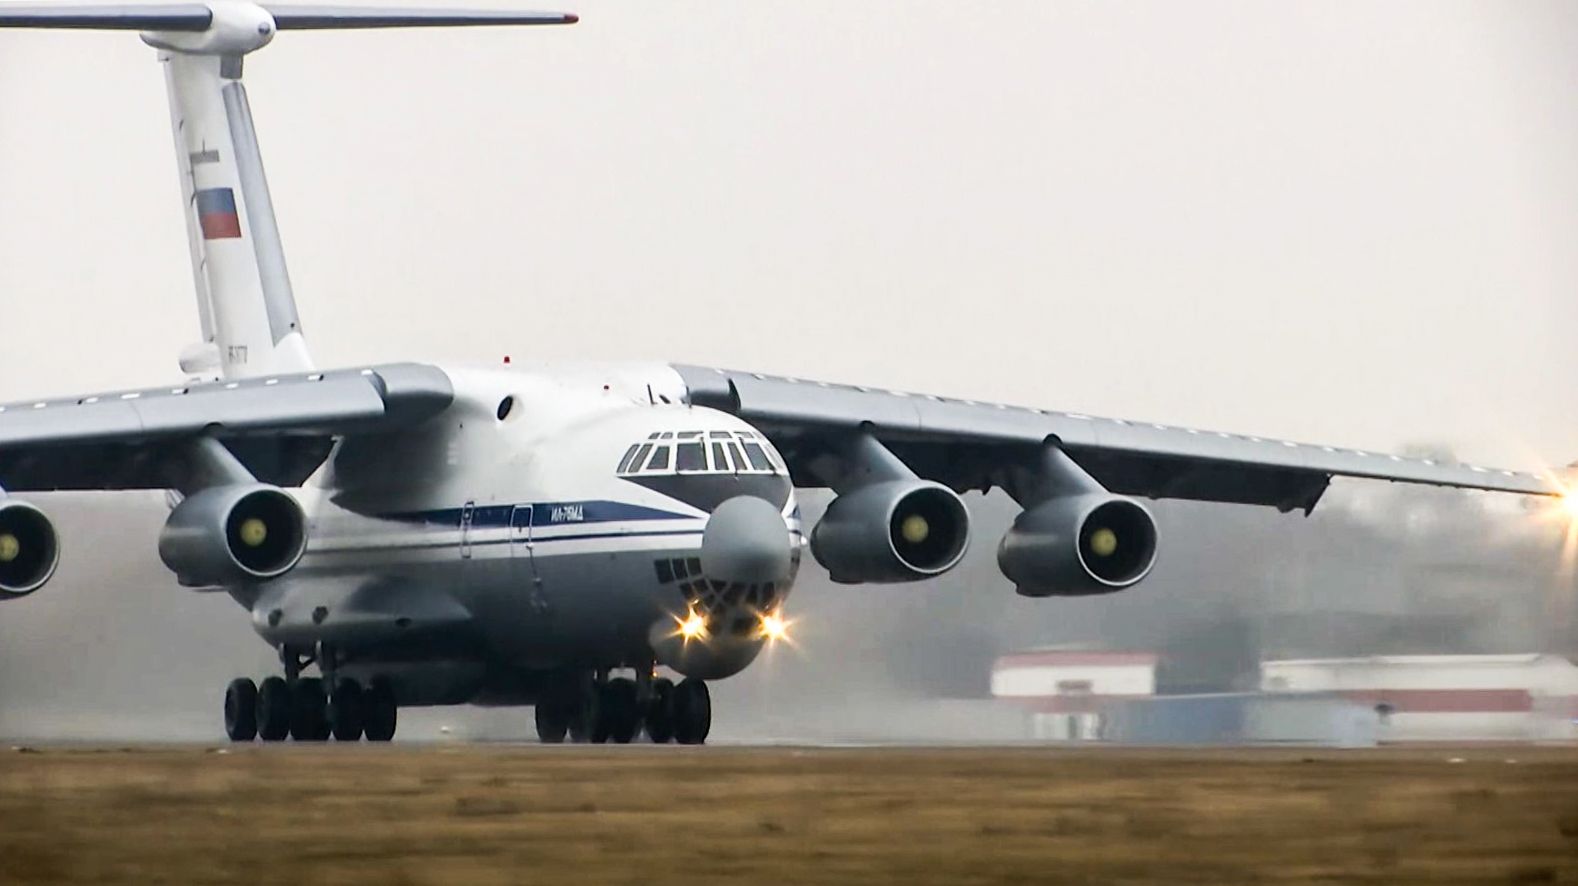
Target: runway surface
(482,814)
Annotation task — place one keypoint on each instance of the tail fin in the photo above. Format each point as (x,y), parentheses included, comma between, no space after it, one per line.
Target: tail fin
(243,289)
(244,298)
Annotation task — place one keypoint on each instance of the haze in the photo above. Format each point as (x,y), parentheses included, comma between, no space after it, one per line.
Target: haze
(1349,224)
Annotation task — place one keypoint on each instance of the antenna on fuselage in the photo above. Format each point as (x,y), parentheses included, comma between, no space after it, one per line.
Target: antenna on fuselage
(244,299)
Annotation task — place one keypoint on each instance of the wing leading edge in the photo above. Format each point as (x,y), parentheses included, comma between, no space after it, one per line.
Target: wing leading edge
(279,427)
(961,443)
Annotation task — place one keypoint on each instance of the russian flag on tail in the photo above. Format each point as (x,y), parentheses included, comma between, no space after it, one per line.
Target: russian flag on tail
(216,212)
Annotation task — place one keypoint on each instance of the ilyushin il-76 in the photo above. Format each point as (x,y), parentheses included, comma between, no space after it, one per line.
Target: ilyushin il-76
(594,540)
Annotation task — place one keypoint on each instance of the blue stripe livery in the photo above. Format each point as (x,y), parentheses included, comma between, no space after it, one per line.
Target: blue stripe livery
(544,514)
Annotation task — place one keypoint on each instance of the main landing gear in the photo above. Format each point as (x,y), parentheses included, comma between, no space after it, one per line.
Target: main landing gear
(302,708)
(600,710)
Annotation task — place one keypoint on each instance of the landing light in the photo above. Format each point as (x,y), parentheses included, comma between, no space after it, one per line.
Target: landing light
(693,626)
(10,548)
(1569,503)
(775,627)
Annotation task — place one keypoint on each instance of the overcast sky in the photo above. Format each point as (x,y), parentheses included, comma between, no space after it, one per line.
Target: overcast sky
(1346,223)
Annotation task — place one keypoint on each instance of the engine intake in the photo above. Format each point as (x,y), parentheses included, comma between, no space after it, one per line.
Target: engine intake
(899,530)
(229,534)
(29,549)
(1079,545)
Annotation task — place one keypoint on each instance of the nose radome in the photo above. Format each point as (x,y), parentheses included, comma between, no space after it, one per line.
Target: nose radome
(745,541)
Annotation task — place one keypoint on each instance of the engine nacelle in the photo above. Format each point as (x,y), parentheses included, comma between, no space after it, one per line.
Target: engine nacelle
(29,549)
(233,534)
(898,530)
(1079,545)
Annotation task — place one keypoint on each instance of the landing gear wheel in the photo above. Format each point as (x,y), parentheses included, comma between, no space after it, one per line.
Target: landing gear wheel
(692,712)
(379,709)
(241,710)
(620,718)
(273,709)
(660,712)
(553,720)
(347,711)
(586,714)
(308,711)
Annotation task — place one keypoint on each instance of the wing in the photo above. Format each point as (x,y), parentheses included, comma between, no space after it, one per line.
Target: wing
(280,428)
(964,444)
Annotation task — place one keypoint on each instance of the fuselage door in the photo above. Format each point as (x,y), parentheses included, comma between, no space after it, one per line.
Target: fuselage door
(467,513)
(520,533)
(522,566)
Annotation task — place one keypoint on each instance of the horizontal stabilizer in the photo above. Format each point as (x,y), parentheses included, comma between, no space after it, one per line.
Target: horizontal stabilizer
(173,17)
(332,17)
(198,17)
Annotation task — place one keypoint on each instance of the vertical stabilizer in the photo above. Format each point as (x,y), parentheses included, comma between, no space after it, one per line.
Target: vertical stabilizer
(245,302)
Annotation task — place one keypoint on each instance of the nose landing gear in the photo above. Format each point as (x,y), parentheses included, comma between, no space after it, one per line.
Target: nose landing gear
(617,710)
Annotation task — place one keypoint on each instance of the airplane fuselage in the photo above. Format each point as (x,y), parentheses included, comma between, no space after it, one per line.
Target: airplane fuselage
(550,519)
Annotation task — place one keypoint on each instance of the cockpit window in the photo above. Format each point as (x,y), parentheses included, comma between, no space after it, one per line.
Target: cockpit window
(758,458)
(641,457)
(630,456)
(690,457)
(687,452)
(659,460)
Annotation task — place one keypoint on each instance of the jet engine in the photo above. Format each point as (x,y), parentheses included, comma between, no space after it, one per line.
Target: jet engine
(1073,546)
(893,531)
(229,534)
(29,549)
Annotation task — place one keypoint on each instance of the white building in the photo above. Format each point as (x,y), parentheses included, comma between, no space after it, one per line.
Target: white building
(1445,697)
(1065,690)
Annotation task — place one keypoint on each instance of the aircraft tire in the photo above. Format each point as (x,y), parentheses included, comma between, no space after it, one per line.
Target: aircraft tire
(585,713)
(621,710)
(241,710)
(597,717)
(347,711)
(660,712)
(553,720)
(309,720)
(273,709)
(380,712)
(692,712)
